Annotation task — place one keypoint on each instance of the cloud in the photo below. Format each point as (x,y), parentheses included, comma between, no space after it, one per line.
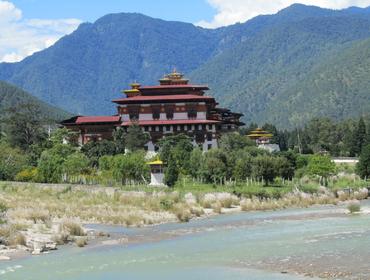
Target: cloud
(20,37)
(233,11)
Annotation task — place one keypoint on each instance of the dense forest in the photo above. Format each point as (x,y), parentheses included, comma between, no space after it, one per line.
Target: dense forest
(266,68)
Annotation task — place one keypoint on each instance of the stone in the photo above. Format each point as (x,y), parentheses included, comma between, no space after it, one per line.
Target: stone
(4,258)
(36,252)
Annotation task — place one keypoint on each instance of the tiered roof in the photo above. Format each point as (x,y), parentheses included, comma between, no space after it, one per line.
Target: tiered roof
(259,133)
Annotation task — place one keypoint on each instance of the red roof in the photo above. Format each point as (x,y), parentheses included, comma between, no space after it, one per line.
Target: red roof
(175,86)
(173,122)
(98,119)
(173,97)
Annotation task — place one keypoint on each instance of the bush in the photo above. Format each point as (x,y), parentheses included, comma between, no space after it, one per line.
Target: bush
(354,207)
(72,228)
(81,242)
(29,174)
(17,239)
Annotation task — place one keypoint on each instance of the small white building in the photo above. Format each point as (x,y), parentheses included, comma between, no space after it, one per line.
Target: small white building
(156,173)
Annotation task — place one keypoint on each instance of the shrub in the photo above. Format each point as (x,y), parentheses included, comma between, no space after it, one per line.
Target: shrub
(354,207)
(182,212)
(72,228)
(81,242)
(27,175)
(17,239)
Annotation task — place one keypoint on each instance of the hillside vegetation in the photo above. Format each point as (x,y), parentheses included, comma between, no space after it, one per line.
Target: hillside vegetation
(13,97)
(264,68)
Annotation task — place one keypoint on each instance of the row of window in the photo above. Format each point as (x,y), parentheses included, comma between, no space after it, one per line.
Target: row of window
(181,127)
(156,114)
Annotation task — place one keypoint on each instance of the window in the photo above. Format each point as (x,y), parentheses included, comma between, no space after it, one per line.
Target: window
(209,136)
(210,127)
(189,127)
(192,111)
(133,112)
(146,128)
(169,109)
(168,128)
(209,146)
(156,112)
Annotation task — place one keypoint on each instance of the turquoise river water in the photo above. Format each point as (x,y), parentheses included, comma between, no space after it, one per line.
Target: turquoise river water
(288,244)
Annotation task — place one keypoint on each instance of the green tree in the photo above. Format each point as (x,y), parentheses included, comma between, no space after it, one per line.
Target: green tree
(195,163)
(51,163)
(359,138)
(171,173)
(136,138)
(119,139)
(24,125)
(94,150)
(363,166)
(264,168)
(321,166)
(235,141)
(130,167)
(215,167)
(243,166)
(12,161)
(178,148)
(75,164)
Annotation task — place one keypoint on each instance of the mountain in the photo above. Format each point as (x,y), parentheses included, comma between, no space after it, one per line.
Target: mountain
(11,96)
(338,87)
(263,68)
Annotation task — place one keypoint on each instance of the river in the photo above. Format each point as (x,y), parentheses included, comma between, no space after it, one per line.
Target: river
(287,244)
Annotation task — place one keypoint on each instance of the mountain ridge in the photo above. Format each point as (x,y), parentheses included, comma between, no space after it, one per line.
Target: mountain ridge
(248,65)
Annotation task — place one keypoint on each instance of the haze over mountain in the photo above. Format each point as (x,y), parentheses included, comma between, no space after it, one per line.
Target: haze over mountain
(284,68)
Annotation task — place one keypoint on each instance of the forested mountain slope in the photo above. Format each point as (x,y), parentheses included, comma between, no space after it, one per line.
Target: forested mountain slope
(13,97)
(257,67)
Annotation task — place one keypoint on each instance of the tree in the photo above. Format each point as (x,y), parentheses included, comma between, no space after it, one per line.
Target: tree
(177,148)
(359,138)
(195,163)
(215,167)
(263,168)
(130,167)
(119,140)
(24,125)
(75,164)
(235,141)
(94,150)
(363,166)
(12,161)
(243,166)
(136,138)
(321,166)
(171,173)
(51,163)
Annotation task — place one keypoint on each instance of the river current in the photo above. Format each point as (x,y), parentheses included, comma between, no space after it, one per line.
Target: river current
(287,244)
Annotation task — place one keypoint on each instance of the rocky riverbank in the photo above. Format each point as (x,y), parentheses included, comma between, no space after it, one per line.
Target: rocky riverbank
(37,219)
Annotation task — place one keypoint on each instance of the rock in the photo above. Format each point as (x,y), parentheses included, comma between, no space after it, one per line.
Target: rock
(4,258)
(190,198)
(51,246)
(36,252)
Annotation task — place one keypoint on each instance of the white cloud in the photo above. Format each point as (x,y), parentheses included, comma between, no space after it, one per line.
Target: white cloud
(20,37)
(233,11)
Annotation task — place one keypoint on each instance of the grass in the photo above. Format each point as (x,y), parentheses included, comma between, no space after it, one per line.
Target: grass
(29,204)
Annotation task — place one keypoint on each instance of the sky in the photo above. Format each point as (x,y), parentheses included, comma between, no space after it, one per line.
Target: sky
(27,26)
